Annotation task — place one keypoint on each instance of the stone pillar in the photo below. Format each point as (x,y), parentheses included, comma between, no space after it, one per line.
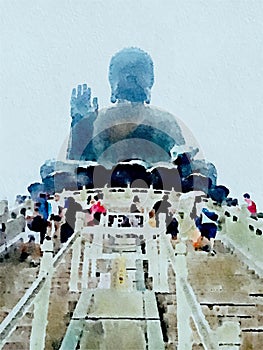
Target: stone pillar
(151,255)
(119,278)
(79,222)
(139,275)
(162,223)
(41,302)
(85,266)
(97,243)
(103,220)
(163,265)
(46,263)
(115,222)
(74,271)
(93,267)
(183,310)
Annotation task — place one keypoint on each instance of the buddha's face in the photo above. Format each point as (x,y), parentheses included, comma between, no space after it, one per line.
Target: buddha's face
(131,76)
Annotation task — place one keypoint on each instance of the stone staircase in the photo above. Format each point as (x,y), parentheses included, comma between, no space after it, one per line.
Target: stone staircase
(61,306)
(228,291)
(15,279)
(224,286)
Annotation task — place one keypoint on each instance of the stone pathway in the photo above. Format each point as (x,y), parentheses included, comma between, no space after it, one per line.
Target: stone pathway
(224,287)
(228,291)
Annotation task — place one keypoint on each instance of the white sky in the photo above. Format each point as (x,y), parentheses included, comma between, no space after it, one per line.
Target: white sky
(208,72)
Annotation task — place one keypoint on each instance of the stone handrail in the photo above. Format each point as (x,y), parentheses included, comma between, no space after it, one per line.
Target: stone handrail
(15,226)
(241,233)
(14,231)
(4,247)
(120,196)
(241,215)
(10,322)
(188,306)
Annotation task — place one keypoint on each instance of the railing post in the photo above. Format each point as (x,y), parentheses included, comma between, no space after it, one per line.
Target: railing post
(46,263)
(162,222)
(103,220)
(79,222)
(115,222)
(76,252)
(41,302)
(183,310)
(75,260)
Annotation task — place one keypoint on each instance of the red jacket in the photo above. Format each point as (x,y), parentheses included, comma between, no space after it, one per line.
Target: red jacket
(97,208)
(251,206)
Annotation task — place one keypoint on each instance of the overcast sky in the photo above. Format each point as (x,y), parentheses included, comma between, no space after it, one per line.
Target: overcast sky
(208,72)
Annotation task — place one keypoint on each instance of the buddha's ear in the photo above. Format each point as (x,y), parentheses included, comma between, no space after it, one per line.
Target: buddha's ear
(113,97)
(148,95)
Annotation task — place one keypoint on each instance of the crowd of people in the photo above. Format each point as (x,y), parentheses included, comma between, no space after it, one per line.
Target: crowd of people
(56,219)
(200,227)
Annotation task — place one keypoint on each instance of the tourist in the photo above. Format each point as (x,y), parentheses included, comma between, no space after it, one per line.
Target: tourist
(30,252)
(162,206)
(136,220)
(55,208)
(135,206)
(37,224)
(97,209)
(207,225)
(68,228)
(152,218)
(43,205)
(187,224)
(203,244)
(56,212)
(125,221)
(22,218)
(172,228)
(251,206)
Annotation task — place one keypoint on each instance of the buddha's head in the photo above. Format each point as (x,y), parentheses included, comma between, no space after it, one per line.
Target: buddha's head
(131,76)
